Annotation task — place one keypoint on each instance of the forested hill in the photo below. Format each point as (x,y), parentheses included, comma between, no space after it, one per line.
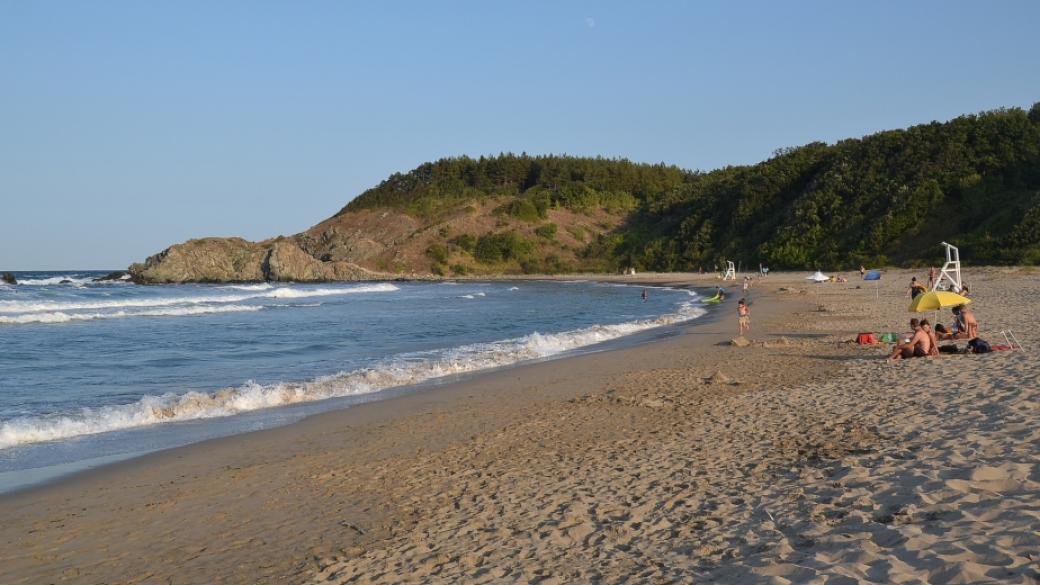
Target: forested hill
(888,198)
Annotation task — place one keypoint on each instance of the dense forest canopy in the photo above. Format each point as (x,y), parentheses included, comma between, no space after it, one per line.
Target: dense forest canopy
(887,198)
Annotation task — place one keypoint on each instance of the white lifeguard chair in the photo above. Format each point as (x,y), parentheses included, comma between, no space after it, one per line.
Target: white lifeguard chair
(731,271)
(950,275)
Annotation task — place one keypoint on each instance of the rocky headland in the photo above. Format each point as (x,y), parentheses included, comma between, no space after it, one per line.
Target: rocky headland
(239,260)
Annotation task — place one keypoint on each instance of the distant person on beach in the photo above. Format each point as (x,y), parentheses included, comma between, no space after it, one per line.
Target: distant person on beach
(644,295)
(916,288)
(931,278)
(862,271)
(743,316)
(747,284)
(920,345)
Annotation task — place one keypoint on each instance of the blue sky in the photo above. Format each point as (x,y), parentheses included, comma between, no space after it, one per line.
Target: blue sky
(129,126)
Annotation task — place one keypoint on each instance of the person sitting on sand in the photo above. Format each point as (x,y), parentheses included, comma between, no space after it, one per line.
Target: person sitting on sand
(920,345)
(965,327)
(743,316)
(931,336)
(916,288)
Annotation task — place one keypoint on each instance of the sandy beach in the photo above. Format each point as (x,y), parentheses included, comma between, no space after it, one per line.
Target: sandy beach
(800,458)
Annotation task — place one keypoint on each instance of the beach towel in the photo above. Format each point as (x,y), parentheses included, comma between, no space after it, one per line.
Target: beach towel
(866,339)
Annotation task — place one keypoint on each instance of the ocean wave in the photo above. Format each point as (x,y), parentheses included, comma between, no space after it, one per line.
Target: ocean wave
(276,293)
(261,286)
(69,280)
(62,317)
(402,370)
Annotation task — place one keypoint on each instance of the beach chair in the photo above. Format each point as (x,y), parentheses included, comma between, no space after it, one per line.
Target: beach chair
(1012,341)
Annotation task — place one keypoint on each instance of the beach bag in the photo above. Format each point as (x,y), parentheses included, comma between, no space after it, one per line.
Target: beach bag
(866,339)
(888,337)
(979,345)
(949,349)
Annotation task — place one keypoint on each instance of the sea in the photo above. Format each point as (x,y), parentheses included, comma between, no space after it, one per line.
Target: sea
(93,372)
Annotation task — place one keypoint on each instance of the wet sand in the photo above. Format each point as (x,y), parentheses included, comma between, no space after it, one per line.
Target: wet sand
(801,458)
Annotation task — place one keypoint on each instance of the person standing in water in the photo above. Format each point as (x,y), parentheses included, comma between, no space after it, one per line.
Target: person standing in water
(644,295)
(743,316)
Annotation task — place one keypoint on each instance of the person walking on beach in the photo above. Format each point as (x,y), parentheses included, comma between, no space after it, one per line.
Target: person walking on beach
(862,271)
(743,316)
(916,288)
(931,278)
(747,284)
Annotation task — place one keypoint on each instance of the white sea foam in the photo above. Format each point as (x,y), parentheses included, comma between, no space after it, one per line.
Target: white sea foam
(400,371)
(276,293)
(62,317)
(261,286)
(55,280)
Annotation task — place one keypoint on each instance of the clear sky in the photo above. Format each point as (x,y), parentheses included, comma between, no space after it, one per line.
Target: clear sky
(129,126)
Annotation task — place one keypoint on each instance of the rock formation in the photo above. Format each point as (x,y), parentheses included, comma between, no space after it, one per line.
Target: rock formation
(239,260)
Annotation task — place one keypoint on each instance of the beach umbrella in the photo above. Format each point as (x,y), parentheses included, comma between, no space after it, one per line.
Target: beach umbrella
(935,300)
(818,277)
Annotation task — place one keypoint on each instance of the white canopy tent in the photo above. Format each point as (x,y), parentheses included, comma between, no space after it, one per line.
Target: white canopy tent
(818,277)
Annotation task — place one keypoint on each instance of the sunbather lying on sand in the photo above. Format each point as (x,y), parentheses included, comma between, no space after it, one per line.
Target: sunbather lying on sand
(920,345)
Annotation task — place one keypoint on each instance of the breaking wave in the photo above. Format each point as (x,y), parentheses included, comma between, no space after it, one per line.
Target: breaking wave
(402,370)
(69,280)
(273,293)
(61,317)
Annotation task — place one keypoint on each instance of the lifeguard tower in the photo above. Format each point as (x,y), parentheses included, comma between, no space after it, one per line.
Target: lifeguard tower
(950,275)
(731,271)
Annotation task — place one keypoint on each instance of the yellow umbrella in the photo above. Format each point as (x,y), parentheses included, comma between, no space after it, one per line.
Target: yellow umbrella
(935,300)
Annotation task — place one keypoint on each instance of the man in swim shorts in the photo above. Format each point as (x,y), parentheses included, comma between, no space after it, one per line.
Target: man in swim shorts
(920,345)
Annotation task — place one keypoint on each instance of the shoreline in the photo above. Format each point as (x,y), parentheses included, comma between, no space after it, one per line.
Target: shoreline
(65,471)
(681,460)
(395,394)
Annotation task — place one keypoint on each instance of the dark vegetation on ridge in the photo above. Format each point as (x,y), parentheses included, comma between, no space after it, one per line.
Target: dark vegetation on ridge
(887,198)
